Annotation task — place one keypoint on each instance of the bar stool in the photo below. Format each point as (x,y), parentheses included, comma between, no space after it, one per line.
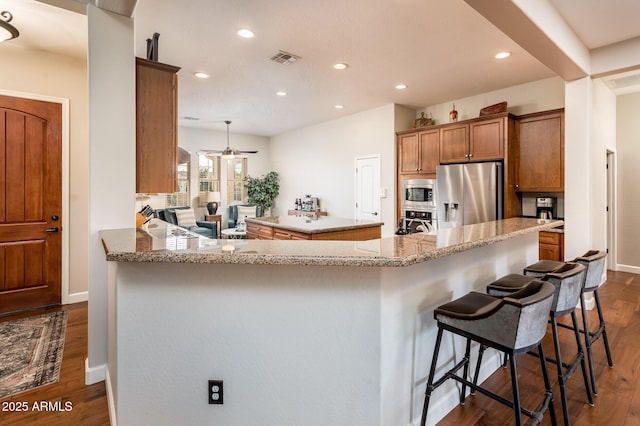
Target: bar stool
(513,324)
(594,261)
(568,281)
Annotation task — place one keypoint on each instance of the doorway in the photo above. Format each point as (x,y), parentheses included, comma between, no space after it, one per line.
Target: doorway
(31,200)
(367,189)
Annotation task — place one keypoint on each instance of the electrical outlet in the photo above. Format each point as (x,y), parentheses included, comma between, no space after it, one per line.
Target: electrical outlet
(216,392)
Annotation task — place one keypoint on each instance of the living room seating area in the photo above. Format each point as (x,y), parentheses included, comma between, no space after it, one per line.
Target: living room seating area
(184,217)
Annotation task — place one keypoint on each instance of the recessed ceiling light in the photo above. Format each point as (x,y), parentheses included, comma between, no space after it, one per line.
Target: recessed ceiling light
(245,33)
(201,74)
(281,93)
(341,66)
(339,106)
(401,86)
(503,55)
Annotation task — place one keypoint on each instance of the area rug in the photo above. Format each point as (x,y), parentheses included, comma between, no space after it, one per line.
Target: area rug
(31,352)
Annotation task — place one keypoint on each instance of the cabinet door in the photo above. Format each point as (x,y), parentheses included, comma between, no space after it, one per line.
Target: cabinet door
(156,127)
(486,140)
(454,144)
(408,154)
(540,158)
(429,151)
(548,252)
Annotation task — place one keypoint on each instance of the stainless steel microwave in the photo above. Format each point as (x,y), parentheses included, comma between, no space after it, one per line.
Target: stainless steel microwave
(418,194)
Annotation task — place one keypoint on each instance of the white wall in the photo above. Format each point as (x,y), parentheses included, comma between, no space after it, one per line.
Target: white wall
(628,153)
(603,132)
(112,156)
(541,95)
(319,160)
(40,73)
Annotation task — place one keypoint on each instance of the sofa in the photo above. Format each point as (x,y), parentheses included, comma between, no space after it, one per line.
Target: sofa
(206,229)
(244,208)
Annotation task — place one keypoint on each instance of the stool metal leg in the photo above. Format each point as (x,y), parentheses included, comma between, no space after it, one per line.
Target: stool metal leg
(547,386)
(467,357)
(587,343)
(602,329)
(583,364)
(561,378)
(432,372)
(478,364)
(515,389)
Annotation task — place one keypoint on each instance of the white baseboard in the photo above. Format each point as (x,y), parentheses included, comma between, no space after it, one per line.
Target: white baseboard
(82,296)
(95,374)
(628,268)
(112,405)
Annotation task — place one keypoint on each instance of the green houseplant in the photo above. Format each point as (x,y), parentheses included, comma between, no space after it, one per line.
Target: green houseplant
(263,190)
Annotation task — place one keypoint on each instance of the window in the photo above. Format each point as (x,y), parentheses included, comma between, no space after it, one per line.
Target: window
(236,172)
(180,198)
(208,177)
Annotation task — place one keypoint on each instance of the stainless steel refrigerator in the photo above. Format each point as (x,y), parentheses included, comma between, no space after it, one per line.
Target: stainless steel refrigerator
(468,193)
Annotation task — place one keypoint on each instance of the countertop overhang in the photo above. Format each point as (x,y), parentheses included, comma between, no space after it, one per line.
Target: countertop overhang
(165,243)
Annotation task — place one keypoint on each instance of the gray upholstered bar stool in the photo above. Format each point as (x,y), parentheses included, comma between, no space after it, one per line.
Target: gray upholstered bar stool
(568,281)
(513,324)
(594,261)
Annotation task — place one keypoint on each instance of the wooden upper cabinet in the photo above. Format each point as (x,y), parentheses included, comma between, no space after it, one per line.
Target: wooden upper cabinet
(418,152)
(156,127)
(479,140)
(454,143)
(486,140)
(540,152)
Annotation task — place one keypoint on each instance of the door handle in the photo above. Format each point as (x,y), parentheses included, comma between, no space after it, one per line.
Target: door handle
(375,213)
(54,229)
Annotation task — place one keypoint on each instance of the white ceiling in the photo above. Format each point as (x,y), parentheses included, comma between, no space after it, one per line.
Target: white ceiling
(442,49)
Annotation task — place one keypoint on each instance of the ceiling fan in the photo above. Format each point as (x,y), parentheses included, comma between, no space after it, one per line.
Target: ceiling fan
(228,153)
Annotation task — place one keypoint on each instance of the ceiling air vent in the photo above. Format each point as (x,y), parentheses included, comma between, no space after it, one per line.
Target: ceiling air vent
(284,58)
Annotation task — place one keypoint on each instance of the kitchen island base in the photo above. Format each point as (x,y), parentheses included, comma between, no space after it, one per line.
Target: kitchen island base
(294,345)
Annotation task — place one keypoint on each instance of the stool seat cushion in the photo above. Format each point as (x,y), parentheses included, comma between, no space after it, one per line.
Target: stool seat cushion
(471,306)
(543,267)
(509,284)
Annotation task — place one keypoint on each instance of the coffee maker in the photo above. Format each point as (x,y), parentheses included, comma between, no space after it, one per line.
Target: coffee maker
(546,208)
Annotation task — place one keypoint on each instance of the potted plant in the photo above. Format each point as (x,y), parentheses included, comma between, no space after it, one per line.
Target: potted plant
(263,190)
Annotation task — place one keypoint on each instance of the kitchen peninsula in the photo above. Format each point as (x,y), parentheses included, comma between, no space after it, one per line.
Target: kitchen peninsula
(300,332)
(309,228)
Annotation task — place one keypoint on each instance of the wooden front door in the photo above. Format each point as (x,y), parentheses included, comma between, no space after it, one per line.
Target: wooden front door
(30,203)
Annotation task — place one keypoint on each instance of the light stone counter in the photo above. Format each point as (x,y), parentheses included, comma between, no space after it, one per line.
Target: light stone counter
(162,242)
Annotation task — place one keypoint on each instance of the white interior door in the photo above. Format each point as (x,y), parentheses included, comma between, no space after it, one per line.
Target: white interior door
(368,188)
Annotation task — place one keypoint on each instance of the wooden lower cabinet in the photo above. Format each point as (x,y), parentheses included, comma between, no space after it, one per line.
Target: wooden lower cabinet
(263,232)
(259,232)
(551,246)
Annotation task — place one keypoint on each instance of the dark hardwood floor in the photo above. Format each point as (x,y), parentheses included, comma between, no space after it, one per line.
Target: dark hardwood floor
(88,403)
(617,403)
(618,399)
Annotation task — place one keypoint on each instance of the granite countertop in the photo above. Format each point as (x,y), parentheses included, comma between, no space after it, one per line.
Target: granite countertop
(558,229)
(165,243)
(313,226)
